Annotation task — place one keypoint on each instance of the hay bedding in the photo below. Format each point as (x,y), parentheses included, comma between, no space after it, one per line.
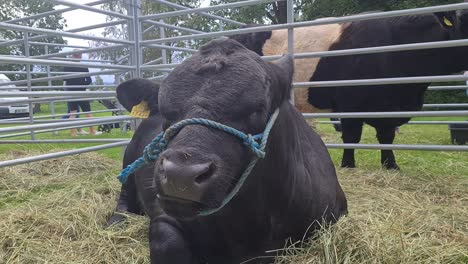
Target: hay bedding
(54,212)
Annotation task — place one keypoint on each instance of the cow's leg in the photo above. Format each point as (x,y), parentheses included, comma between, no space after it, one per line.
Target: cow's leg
(352,130)
(386,135)
(337,127)
(128,201)
(167,243)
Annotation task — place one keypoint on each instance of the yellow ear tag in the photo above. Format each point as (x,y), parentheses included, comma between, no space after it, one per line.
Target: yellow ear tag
(448,22)
(140,110)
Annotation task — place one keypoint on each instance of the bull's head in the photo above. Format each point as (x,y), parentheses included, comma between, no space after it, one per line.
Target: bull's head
(226,83)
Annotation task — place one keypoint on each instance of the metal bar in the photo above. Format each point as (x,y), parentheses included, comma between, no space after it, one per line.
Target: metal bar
(412,122)
(56,125)
(148,29)
(177,6)
(57,45)
(158,46)
(63,141)
(371,50)
(361,82)
(367,16)
(122,59)
(445,105)
(62,77)
(28,77)
(12,60)
(62,87)
(34,73)
(57,11)
(398,147)
(51,130)
(53,99)
(131,36)
(101,25)
(461,113)
(455,87)
(207,9)
(81,60)
(34,100)
(80,113)
(58,33)
(92,9)
(85,99)
(290,19)
(79,51)
(162,24)
(49,121)
(164,70)
(162,34)
(49,83)
(59,115)
(57,93)
(60,154)
(159,66)
(13,42)
(153,61)
(157,78)
(138,36)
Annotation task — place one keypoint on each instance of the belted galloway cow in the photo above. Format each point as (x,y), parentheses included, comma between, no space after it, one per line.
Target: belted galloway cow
(442,26)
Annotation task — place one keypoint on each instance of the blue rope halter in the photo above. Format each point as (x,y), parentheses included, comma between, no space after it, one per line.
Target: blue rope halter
(159,144)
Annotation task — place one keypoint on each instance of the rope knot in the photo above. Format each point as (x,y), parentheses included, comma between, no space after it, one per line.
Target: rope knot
(251,142)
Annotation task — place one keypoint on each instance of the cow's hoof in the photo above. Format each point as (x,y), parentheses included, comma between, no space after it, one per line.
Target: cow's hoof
(349,166)
(393,166)
(115,219)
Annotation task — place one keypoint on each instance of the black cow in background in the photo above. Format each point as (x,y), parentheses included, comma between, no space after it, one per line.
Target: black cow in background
(375,98)
(287,194)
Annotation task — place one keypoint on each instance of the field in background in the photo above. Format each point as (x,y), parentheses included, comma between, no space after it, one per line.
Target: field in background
(54,211)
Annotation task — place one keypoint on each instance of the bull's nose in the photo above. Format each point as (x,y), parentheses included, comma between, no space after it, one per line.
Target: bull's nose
(185,181)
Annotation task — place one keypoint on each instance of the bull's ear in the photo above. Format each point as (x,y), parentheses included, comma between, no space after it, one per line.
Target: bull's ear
(139,96)
(284,71)
(447,19)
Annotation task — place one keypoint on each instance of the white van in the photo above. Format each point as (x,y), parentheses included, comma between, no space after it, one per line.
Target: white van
(15,109)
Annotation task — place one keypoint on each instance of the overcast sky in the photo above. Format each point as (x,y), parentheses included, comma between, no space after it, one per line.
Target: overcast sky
(82,18)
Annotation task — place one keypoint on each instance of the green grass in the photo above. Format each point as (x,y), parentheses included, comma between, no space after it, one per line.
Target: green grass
(61,108)
(429,163)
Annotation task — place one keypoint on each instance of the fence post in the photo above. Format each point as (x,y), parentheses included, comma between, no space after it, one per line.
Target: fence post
(137,36)
(290,19)
(28,76)
(162,34)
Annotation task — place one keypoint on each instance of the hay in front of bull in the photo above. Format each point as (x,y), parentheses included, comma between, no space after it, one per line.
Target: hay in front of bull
(394,218)
(54,212)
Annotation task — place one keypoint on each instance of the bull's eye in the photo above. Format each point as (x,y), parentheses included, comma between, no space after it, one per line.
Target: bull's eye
(256,117)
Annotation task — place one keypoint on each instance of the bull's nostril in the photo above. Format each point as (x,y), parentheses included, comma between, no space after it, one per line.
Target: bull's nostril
(206,175)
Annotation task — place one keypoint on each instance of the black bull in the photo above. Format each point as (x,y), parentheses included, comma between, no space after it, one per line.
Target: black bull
(288,193)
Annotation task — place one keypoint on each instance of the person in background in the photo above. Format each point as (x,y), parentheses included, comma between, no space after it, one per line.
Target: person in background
(75,106)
